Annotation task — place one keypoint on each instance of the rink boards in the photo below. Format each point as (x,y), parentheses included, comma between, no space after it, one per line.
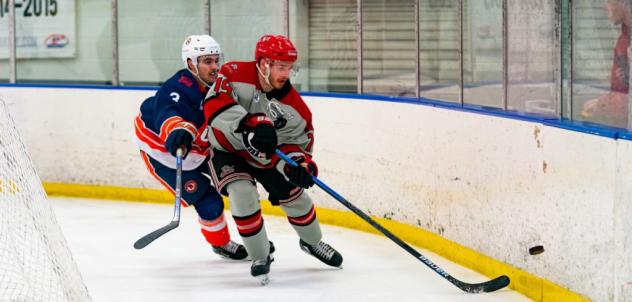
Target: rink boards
(464,184)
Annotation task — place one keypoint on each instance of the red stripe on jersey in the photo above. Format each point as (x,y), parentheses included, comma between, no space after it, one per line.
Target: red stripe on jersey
(294,99)
(305,219)
(176,122)
(183,202)
(167,125)
(188,127)
(154,141)
(242,72)
(222,140)
(147,136)
(216,104)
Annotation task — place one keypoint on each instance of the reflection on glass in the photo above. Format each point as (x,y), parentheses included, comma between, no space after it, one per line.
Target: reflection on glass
(482,52)
(4,58)
(299,33)
(64,41)
(532,57)
(4,70)
(237,25)
(151,33)
(601,70)
(439,49)
(565,52)
(388,47)
(332,46)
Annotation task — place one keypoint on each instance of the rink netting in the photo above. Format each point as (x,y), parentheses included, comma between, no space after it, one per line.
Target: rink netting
(35,262)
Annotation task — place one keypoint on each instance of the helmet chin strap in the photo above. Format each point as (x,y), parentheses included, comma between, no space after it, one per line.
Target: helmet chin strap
(266,76)
(197,76)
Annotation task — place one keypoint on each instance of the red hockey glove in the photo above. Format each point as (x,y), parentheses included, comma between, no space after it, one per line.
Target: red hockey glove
(301,175)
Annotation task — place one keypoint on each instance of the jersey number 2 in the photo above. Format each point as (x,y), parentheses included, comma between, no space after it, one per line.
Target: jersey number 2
(175,96)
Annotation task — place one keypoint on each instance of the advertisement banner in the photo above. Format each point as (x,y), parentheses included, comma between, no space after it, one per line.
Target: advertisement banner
(44,29)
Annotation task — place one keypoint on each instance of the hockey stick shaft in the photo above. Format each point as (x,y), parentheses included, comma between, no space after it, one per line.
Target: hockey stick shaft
(488,286)
(175,220)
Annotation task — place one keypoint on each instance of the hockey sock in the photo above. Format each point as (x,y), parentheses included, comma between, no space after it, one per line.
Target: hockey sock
(302,216)
(215,231)
(246,210)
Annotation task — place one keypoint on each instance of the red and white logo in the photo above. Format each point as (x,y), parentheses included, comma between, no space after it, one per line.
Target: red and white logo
(56,41)
(190,186)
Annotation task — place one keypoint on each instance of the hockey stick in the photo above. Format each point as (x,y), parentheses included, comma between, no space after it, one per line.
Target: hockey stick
(488,286)
(175,221)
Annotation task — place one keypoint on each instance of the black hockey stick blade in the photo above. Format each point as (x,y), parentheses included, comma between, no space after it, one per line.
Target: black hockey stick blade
(175,221)
(149,238)
(487,286)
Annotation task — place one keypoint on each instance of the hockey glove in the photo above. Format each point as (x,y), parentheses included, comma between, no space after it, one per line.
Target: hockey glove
(301,175)
(179,138)
(259,136)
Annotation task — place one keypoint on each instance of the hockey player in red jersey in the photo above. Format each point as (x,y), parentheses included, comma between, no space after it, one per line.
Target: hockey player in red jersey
(251,110)
(172,119)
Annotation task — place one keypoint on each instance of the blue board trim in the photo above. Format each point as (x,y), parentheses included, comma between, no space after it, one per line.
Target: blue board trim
(577,126)
(78,86)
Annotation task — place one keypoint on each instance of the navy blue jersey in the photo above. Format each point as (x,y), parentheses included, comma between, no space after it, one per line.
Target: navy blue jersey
(176,105)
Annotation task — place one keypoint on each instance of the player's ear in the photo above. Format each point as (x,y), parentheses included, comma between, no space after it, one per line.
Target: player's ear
(190,64)
(264,65)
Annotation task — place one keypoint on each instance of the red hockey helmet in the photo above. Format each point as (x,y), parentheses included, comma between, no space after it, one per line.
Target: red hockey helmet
(275,47)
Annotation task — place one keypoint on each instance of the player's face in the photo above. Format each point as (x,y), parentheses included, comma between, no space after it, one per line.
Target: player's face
(208,67)
(280,72)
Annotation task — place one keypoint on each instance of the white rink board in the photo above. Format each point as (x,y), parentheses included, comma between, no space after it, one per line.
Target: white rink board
(516,183)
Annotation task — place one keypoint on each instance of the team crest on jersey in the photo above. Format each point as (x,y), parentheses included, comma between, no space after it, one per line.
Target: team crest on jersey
(226,170)
(279,115)
(191,186)
(186,81)
(256,97)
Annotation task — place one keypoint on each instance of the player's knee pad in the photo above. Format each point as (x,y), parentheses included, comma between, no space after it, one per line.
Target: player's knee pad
(243,196)
(210,206)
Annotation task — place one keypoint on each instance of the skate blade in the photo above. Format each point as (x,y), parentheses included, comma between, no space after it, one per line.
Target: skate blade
(232,259)
(263,279)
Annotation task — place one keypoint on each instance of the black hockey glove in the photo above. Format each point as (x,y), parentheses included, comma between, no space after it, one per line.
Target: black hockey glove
(301,175)
(179,138)
(259,136)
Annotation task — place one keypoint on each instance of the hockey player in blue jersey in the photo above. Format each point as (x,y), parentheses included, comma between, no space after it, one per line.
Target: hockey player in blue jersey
(172,119)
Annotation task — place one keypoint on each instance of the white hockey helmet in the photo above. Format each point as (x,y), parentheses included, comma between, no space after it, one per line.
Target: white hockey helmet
(199,45)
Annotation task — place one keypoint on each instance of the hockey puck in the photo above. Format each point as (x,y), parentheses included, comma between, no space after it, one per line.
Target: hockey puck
(536,250)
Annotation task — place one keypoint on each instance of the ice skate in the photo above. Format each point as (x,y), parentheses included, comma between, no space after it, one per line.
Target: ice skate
(272,250)
(231,250)
(323,252)
(260,269)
